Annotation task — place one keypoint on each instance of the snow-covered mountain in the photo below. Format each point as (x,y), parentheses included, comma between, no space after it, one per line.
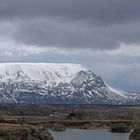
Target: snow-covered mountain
(54,83)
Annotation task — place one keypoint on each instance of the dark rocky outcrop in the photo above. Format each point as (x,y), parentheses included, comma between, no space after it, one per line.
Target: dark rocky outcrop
(58,127)
(119,128)
(75,115)
(135,135)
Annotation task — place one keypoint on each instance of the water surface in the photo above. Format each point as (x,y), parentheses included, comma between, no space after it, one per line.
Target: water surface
(81,134)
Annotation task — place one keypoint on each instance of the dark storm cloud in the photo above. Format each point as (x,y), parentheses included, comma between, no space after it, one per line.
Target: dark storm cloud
(97,24)
(102,11)
(52,33)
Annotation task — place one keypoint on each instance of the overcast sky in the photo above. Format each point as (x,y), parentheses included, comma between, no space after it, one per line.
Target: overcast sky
(103,35)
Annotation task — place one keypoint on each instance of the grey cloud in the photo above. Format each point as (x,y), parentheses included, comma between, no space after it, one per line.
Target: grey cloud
(95,24)
(54,33)
(99,11)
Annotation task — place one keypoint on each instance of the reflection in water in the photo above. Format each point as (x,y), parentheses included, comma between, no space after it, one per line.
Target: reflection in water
(81,134)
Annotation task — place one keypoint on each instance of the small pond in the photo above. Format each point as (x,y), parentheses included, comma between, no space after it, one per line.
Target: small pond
(82,134)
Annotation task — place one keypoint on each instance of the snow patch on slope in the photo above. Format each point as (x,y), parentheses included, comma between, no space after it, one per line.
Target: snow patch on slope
(48,72)
(117,91)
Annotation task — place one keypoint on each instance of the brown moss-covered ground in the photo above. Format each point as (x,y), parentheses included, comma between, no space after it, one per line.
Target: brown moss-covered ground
(22,132)
(32,121)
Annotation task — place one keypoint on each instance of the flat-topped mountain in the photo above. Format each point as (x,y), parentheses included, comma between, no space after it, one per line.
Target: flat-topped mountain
(55,83)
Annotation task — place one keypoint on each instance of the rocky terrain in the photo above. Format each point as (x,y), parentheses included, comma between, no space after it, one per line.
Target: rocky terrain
(32,122)
(135,135)
(23,132)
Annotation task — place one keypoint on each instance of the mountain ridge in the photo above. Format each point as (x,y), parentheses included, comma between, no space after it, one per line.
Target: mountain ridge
(59,83)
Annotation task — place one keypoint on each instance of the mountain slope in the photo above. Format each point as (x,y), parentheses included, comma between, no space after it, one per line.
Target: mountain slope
(57,83)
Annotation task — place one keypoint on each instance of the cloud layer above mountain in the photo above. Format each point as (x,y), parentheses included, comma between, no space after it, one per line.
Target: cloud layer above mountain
(94,24)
